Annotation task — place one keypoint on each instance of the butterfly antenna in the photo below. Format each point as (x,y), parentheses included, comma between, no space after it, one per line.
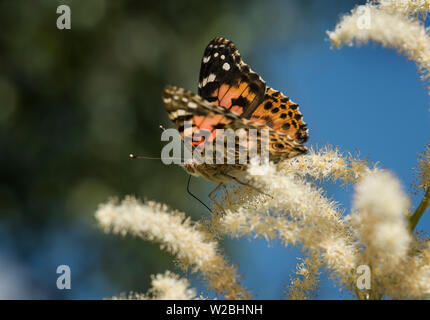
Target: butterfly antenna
(189,192)
(133,156)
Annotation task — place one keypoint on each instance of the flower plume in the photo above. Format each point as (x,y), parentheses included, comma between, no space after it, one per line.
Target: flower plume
(176,234)
(167,286)
(390,28)
(380,210)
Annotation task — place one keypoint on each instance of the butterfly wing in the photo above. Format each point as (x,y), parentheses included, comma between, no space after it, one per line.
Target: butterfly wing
(283,115)
(232,96)
(225,80)
(183,105)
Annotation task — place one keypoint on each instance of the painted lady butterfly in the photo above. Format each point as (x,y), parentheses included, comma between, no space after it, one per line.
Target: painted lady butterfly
(232,96)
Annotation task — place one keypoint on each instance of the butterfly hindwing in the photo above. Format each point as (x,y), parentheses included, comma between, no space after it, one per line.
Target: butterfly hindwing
(281,114)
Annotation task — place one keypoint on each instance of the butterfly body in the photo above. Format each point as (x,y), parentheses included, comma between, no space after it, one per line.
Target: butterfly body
(232,96)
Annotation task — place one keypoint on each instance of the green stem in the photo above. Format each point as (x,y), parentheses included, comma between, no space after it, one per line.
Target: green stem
(413,219)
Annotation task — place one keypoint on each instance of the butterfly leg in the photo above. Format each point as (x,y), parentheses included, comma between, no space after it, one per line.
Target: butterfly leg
(211,196)
(191,194)
(249,186)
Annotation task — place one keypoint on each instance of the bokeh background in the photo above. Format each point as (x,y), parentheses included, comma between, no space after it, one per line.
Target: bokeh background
(74,104)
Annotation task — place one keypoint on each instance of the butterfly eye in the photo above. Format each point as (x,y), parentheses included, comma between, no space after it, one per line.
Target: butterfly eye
(279,146)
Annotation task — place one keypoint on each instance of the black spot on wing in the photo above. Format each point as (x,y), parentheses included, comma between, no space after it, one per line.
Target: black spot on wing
(241,102)
(212,99)
(268,105)
(286,126)
(219,126)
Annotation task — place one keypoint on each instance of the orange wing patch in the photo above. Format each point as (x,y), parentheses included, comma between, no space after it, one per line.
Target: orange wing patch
(281,114)
(234,97)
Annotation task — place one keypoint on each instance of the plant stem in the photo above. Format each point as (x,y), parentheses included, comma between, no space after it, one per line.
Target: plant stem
(413,219)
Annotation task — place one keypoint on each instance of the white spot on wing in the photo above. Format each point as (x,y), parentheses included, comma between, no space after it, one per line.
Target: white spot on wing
(208,79)
(226,66)
(206,59)
(211,77)
(192,105)
(178,113)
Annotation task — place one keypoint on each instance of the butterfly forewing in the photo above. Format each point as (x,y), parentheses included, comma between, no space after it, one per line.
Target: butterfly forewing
(225,80)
